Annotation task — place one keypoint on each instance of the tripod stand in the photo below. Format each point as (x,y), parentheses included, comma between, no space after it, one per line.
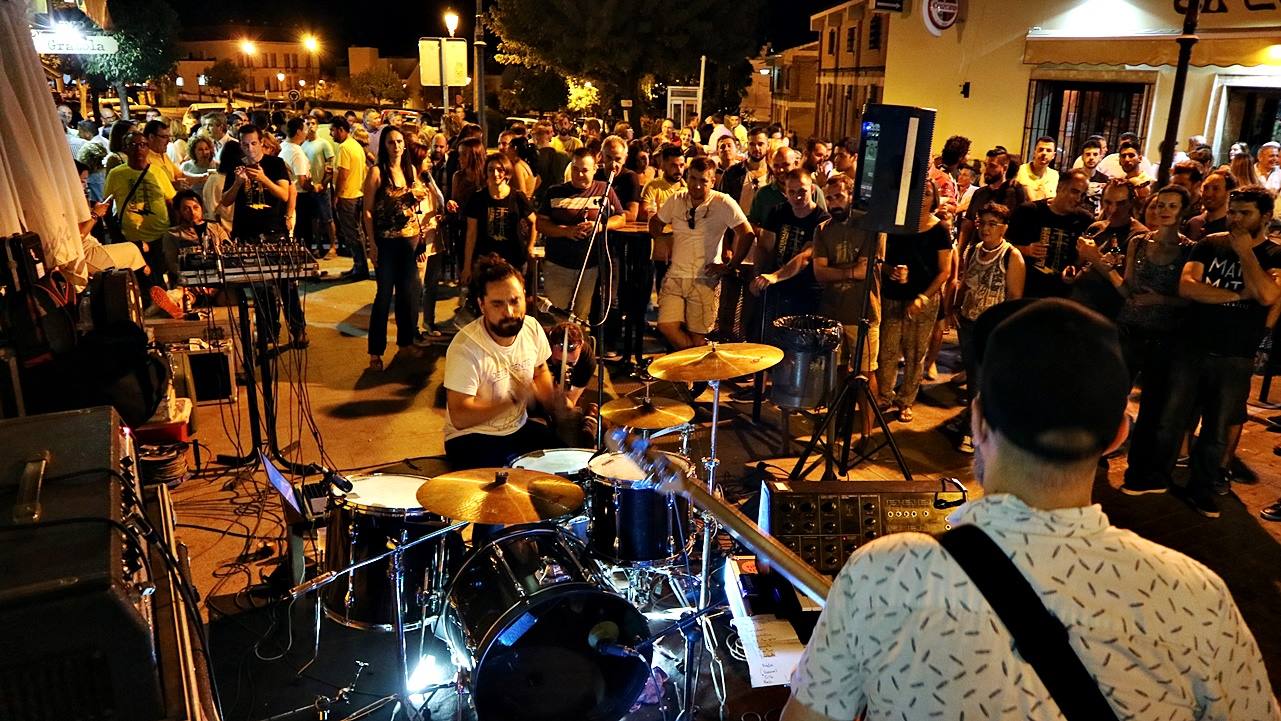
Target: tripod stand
(840,416)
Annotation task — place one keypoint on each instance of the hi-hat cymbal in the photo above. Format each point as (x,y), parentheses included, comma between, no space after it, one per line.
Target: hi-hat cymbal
(650,415)
(500,495)
(715,362)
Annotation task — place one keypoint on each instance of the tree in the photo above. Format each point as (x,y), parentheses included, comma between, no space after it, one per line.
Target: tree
(379,84)
(528,89)
(146,31)
(226,75)
(605,42)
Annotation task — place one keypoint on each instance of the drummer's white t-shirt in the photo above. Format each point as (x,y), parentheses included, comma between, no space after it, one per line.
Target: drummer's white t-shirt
(477,366)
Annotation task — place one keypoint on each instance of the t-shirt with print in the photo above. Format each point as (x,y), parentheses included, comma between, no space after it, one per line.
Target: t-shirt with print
(566,205)
(477,366)
(920,253)
(627,185)
(771,196)
(1229,329)
(693,248)
(791,235)
(258,212)
(906,634)
(1035,222)
(843,245)
(498,225)
(146,216)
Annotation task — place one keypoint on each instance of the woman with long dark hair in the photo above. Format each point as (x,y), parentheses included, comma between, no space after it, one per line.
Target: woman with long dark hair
(500,219)
(1149,322)
(396,235)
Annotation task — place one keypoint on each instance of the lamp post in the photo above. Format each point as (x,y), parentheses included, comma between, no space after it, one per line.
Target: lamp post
(312,44)
(478,90)
(249,49)
(451,24)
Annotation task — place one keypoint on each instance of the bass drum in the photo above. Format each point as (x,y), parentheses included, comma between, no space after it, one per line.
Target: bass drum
(381,509)
(522,615)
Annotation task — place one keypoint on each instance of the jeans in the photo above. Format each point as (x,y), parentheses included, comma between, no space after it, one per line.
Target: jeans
(351,234)
(906,338)
(267,302)
(1147,354)
(1216,388)
(397,276)
(480,450)
(432,276)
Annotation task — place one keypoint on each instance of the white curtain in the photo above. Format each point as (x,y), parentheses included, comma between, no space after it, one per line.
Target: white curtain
(39,188)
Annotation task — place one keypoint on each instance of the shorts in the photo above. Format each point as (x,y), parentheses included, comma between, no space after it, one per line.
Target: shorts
(871,349)
(691,301)
(322,205)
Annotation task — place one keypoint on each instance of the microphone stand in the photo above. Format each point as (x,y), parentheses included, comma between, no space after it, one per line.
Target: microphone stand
(602,263)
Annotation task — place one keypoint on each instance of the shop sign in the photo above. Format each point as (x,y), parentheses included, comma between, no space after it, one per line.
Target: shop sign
(48,43)
(939,15)
(1211,7)
(894,6)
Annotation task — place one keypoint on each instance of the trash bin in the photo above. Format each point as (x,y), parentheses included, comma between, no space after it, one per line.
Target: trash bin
(807,374)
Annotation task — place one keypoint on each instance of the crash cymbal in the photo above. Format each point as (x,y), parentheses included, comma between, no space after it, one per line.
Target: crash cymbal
(715,362)
(500,495)
(649,415)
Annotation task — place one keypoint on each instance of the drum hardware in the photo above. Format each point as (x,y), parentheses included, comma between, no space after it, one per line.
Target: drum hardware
(396,554)
(647,413)
(322,705)
(841,415)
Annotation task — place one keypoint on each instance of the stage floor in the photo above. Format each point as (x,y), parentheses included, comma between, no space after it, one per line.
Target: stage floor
(393,419)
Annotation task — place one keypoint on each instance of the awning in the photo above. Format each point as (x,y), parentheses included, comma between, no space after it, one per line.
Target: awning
(1220,48)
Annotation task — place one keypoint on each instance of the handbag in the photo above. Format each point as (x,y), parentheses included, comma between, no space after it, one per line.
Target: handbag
(115,226)
(1039,636)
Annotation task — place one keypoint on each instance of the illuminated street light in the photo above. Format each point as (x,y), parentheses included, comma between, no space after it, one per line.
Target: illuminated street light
(451,22)
(202,80)
(248,47)
(302,83)
(280,77)
(179,81)
(310,42)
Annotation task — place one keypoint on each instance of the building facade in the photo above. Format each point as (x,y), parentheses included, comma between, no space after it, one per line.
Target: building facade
(1008,72)
(793,76)
(274,60)
(852,44)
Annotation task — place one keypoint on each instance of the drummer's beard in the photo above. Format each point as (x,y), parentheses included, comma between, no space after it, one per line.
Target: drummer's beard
(507,327)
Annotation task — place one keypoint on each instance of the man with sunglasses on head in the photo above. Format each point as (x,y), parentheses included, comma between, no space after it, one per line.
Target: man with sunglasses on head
(699,217)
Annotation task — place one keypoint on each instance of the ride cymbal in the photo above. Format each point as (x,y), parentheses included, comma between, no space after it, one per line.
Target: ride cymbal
(715,362)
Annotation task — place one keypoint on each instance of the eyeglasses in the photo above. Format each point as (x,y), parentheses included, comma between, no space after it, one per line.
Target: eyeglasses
(689,217)
(989,224)
(559,346)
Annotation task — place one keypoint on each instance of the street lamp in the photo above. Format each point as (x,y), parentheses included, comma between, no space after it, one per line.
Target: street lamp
(201,82)
(248,47)
(451,22)
(310,42)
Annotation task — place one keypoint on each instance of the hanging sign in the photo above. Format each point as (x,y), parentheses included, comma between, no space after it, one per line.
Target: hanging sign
(939,15)
(60,43)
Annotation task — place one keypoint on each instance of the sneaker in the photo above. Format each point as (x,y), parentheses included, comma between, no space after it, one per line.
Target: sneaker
(966,445)
(1139,488)
(161,300)
(1203,503)
(1272,512)
(1182,461)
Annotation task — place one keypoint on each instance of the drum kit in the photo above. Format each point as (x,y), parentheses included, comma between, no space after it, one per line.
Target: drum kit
(536,628)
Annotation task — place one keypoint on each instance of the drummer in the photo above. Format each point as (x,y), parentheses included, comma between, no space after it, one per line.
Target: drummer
(496,366)
(575,428)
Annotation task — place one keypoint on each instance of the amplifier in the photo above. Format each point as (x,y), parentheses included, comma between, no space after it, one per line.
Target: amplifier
(824,521)
(76,611)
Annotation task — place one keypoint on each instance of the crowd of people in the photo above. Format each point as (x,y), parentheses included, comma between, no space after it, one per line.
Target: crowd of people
(1070,282)
(731,228)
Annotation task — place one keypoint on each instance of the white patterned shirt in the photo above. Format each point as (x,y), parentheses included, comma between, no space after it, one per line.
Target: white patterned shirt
(906,635)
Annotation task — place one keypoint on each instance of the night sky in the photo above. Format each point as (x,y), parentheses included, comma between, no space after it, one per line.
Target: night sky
(396,27)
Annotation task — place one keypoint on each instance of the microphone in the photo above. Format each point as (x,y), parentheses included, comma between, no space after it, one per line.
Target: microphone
(339,481)
(602,640)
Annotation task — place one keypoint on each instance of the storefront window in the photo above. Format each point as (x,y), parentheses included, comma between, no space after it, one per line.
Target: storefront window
(1071,111)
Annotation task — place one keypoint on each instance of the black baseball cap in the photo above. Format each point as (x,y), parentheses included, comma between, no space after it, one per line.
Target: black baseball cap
(1052,379)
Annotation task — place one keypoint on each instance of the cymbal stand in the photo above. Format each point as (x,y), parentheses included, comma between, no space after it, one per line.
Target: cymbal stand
(396,554)
(689,710)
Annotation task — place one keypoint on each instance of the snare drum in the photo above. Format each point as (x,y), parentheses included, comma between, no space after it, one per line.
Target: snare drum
(379,510)
(635,525)
(521,614)
(570,464)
